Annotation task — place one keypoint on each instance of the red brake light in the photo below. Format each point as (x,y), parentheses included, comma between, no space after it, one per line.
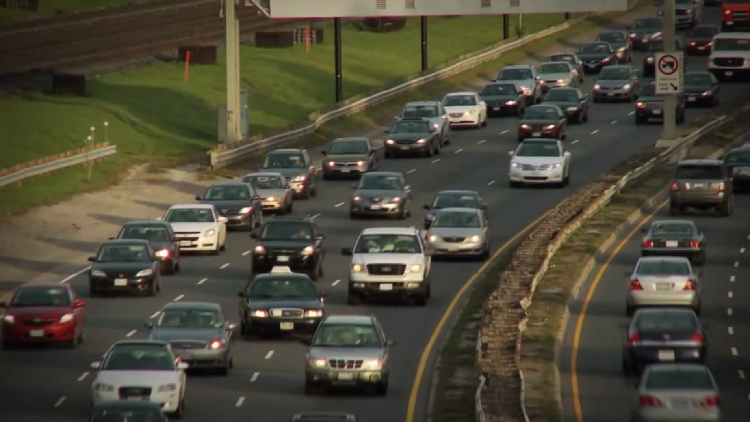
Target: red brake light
(721,187)
(649,401)
(694,244)
(635,285)
(697,337)
(634,338)
(710,401)
(648,244)
(675,186)
(331,164)
(689,285)
(640,106)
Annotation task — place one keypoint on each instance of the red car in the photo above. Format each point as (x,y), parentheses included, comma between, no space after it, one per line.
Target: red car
(699,40)
(43,313)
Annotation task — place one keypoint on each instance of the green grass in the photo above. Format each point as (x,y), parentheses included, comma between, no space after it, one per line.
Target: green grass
(51,7)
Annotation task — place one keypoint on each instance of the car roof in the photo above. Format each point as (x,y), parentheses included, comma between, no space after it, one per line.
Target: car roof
(391,230)
(457,192)
(285,276)
(147,223)
(192,305)
(663,259)
(125,241)
(382,173)
(451,94)
(563,53)
(732,35)
(348,319)
(700,162)
(190,206)
(417,103)
(517,66)
(459,209)
(229,183)
(564,88)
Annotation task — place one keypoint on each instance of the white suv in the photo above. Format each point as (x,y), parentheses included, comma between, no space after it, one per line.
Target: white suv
(730,55)
(390,262)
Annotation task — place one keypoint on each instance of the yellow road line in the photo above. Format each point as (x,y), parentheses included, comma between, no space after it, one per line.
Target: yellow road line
(585,305)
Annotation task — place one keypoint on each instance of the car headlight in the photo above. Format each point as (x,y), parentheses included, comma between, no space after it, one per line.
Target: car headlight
(163,253)
(549,127)
(209,232)
(98,273)
(216,344)
(421,141)
(390,142)
(525,127)
(144,273)
(436,126)
(688,12)
(526,89)
(372,364)
(357,198)
(167,387)
(309,250)
(470,112)
(626,87)
(707,93)
(572,108)
(246,210)
(259,313)
(260,250)
(10,319)
(515,165)
(100,386)
(271,198)
(433,238)
(67,317)
(358,268)
(360,163)
(556,166)
(318,363)
(597,87)
(300,178)
(475,238)
(395,199)
(415,268)
(314,313)
(649,59)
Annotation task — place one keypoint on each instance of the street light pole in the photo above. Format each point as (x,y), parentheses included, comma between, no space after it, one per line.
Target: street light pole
(670,100)
(233,72)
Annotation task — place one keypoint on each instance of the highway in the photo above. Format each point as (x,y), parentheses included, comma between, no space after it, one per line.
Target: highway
(43,384)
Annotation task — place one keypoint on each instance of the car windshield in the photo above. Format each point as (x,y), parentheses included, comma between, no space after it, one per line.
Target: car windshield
(41,296)
(226,193)
(703,32)
(423,111)
(500,89)
(614,74)
(190,318)
(663,268)
(456,219)
(647,24)
(648,90)
(564,95)
(554,68)
(265,182)
(411,126)
(699,172)
(287,230)
(460,101)
(283,288)
(562,58)
(538,149)
(348,147)
(699,79)
(684,2)
(347,335)
(665,321)
(515,75)
(388,243)
(598,48)
(118,414)
(146,232)
(455,200)
(738,157)
(671,229)
(380,182)
(612,37)
(679,379)
(540,113)
(731,44)
(139,358)
(284,161)
(123,253)
(190,215)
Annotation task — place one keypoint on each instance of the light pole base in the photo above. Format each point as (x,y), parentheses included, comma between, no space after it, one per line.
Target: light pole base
(667,143)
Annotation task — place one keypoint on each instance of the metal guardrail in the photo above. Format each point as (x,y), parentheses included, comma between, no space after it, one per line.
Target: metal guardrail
(677,151)
(62,163)
(225,155)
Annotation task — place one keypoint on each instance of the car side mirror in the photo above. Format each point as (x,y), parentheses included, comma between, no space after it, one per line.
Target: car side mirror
(78,303)
(255,198)
(320,237)
(407,187)
(253,235)
(182,366)
(347,251)
(427,207)
(198,198)
(96,365)
(149,325)
(242,295)
(390,343)
(222,220)
(3,304)
(92,259)
(511,153)
(323,152)
(322,296)
(231,326)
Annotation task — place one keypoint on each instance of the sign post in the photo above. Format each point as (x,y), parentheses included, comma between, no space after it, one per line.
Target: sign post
(668,70)
(669,73)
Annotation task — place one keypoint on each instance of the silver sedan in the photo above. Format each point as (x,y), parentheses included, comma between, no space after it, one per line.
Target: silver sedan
(663,281)
(460,232)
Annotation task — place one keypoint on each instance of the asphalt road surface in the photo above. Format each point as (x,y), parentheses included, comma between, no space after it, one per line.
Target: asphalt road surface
(266,384)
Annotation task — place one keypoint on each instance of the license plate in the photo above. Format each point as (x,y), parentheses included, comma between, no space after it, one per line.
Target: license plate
(185,243)
(645,40)
(282,258)
(699,185)
(345,376)
(691,98)
(701,48)
(610,94)
(591,65)
(663,286)
(656,111)
(666,355)
(404,148)
(728,73)
(36,333)
(386,287)
(286,325)
(536,134)
(345,170)
(536,172)
(121,282)
(495,108)
(671,243)
(374,207)
(680,404)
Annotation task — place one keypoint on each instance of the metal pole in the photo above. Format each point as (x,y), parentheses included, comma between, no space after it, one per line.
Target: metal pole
(567,16)
(238,119)
(670,100)
(337,59)
(88,160)
(233,77)
(106,132)
(506,27)
(423,22)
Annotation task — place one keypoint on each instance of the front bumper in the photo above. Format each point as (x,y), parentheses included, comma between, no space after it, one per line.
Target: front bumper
(645,114)
(204,359)
(509,107)
(594,67)
(542,133)
(641,43)
(345,378)
(693,199)
(380,209)
(697,50)
(534,177)
(277,204)
(121,285)
(238,220)
(698,99)
(464,120)
(169,401)
(613,94)
(53,333)
(282,325)
(413,148)
(688,299)
(299,187)
(343,170)
(406,285)
(199,243)
(465,248)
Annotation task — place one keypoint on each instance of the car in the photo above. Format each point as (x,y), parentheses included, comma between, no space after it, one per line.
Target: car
(698,40)
(688,13)
(701,89)
(281,302)
(295,242)
(141,370)
(674,238)
(677,391)
(298,169)
(411,136)
(238,202)
(539,161)
(503,98)
(43,313)
(650,105)
(571,58)
(730,56)
(125,266)
(452,199)
(389,262)
(643,31)
(526,77)
(701,183)
(596,56)
(616,83)
(432,111)
(663,335)
(348,351)
(160,237)
(276,195)
(657,46)
(620,42)
(323,417)
(664,281)
(126,411)
(737,165)
(382,193)
(572,101)
(349,157)
(557,75)
(198,333)
(543,121)
(198,227)
(460,232)
(465,109)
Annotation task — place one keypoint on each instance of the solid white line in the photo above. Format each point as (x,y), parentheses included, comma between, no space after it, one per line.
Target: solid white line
(741,373)
(482,141)
(130,333)
(736,264)
(457,151)
(631,113)
(595,132)
(506,131)
(729,311)
(731,279)
(315,216)
(83,376)
(730,330)
(335,282)
(734,351)
(269,354)
(246,253)
(730,295)
(613,122)
(60,401)
(76,274)
(255,377)
(178,298)
(574,142)
(338,205)
(411,171)
(239,402)
(435,161)
(742,250)
(156,314)
(224,266)
(492,182)
(203,280)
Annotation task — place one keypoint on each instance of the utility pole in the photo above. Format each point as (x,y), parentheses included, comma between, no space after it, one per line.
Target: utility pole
(337,59)
(423,25)
(233,71)
(670,100)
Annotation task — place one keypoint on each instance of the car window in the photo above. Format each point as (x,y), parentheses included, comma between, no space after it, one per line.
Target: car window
(538,149)
(190,215)
(282,288)
(515,75)
(565,95)
(731,44)
(139,358)
(698,79)
(693,172)
(665,321)
(123,253)
(500,89)
(147,232)
(388,243)
(647,24)
(347,335)
(423,111)
(287,230)
(612,37)
(663,268)
(348,147)
(599,48)
(679,379)
(613,73)
(41,296)
(456,219)
(455,200)
(738,157)
(380,182)
(265,182)
(554,68)
(666,229)
(284,161)
(703,32)
(411,126)
(117,414)
(460,100)
(226,193)
(540,113)
(190,318)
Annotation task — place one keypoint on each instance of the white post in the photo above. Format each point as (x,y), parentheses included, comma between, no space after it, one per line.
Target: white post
(670,100)
(233,75)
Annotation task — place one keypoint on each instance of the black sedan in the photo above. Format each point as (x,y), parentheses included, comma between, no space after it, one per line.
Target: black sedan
(737,163)
(160,236)
(572,101)
(543,121)
(381,194)
(412,135)
(699,41)
(237,201)
(644,31)
(294,242)
(651,106)
(596,55)
(674,238)
(657,46)
(127,410)
(701,89)
(128,266)
(657,335)
(280,303)
(504,98)
(452,199)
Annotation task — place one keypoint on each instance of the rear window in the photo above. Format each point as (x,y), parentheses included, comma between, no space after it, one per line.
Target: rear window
(679,379)
(663,268)
(665,321)
(693,172)
(666,229)
(738,157)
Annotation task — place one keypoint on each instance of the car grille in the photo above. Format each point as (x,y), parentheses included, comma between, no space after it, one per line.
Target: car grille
(345,363)
(376,199)
(187,235)
(287,313)
(37,322)
(592,62)
(187,345)
(729,61)
(230,212)
(655,106)
(681,12)
(346,164)
(386,269)
(454,239)
(531,167)
(740,15)
(456,114)
(405,142)
(126,392)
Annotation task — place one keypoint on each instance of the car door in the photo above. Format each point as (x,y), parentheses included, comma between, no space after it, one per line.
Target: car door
(583,102)
(715,86)
(561,117)
(383,340)
(407,188)
(633,81)
(174,244)
(482,106)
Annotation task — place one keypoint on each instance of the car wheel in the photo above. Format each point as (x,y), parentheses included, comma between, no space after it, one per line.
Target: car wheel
(420,300)
(72,344)
(381,389)
(225,369)
(177,414)
(313,274)
(314,190)
(438,147)
(486,253)
(566,180)
(726,209)
(7,344)
(306,193)
(430,151)
(404,212)
(513,184)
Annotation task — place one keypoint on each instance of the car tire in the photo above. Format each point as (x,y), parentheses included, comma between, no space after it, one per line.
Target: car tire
(697,310)
(640,121)
(566,179)
(420,300)
(486,253)
(290,207)
(381,388)
(438,147)
(431,151)
(225,370)
(168,270)
(404,214)
(7,344)
(629,310)
(72,344)
(177,414)
(151,292)
(353,215)
(314,190)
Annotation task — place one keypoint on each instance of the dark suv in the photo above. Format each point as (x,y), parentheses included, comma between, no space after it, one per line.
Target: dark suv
(292,242)
(703,184)
(737,165)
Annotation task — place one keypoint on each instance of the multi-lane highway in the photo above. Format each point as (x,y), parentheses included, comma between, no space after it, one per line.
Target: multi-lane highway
(267,382)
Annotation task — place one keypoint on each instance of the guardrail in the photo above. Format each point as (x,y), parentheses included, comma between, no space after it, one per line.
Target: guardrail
(501,380)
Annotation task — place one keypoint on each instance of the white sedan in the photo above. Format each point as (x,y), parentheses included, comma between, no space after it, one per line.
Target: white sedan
(198,227)
(141,370)
(540,160)
(465,109)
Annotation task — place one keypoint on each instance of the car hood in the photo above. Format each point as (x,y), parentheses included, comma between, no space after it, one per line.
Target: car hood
(287,172)
(555,76)
(531,122)
(187,334)
(455,231)
(499,98)
(230,205)
(519,82)
(460,109)
(192,227)
(537,161)
(121,267)
(41,312)
(285,303)
(268,193)
(562,104)
(610,83)
(695,89)
(593,56)
(320,352)
(151,379)
(347,158)
(698,40)
(408,136)
(375,193)
(286,244)
(387,258)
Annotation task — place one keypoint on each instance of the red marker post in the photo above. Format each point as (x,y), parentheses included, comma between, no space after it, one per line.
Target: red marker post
(187,66)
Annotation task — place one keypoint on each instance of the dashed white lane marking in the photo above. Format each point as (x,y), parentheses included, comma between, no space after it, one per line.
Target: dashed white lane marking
(729,311)
(83,376)
(736,264)
(203,280)
(613,122)
(730,330)
(507,130)
(731,279)
(492,182)
(741,373)
(224,266)
(77,273)
(595,132)
(131,333)
(574,142)
(482,141)
(631,113)
(60,401)
(315,216)
(435,161)
(730,294)
(255,377)
(338,205)
(178,298)
(246,253)
(156,314)
(269,354)
(742,250)
(457,151)
(411,171)
(335,282)
(734,351)
(239,402)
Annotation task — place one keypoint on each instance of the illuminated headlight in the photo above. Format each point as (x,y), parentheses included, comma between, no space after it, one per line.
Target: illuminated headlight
(421,141)
(209,232)
(548,127)
(626,87)
(556,166)
(688,12)
(525,127)
(10,319)
(360,163)
(259,313)
(67,317)
(621,50)
(314,313)
(319,363)
(415,268)
(597,87)
(358,268)
(246,210)
(470,112)
(372,364)
(144,273)
(300,178)
(435,125)
(309,250)
(98,273)
(413,285)
(167,387)
(649,60)
(100,386)
(572,108)
(270,198)
(515,165)
(526,89)
(475,238)
(433,238)
(163,253)
(390,142)
(357,198)
(259,250)
(707,93)
(510,103)
(395,200)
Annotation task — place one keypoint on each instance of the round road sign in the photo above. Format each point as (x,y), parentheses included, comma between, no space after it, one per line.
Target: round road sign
(668,64)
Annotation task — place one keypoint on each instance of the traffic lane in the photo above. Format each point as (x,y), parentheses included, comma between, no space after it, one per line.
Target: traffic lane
(602,387)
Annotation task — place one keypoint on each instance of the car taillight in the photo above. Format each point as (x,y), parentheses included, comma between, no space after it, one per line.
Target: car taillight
(331,164)
(697,337)
(635,285)
(694,244)
(649,401)
(675,186)
(634,338)
(640,106)
(722,186)
(648,244)
(689,285)
(710,401)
